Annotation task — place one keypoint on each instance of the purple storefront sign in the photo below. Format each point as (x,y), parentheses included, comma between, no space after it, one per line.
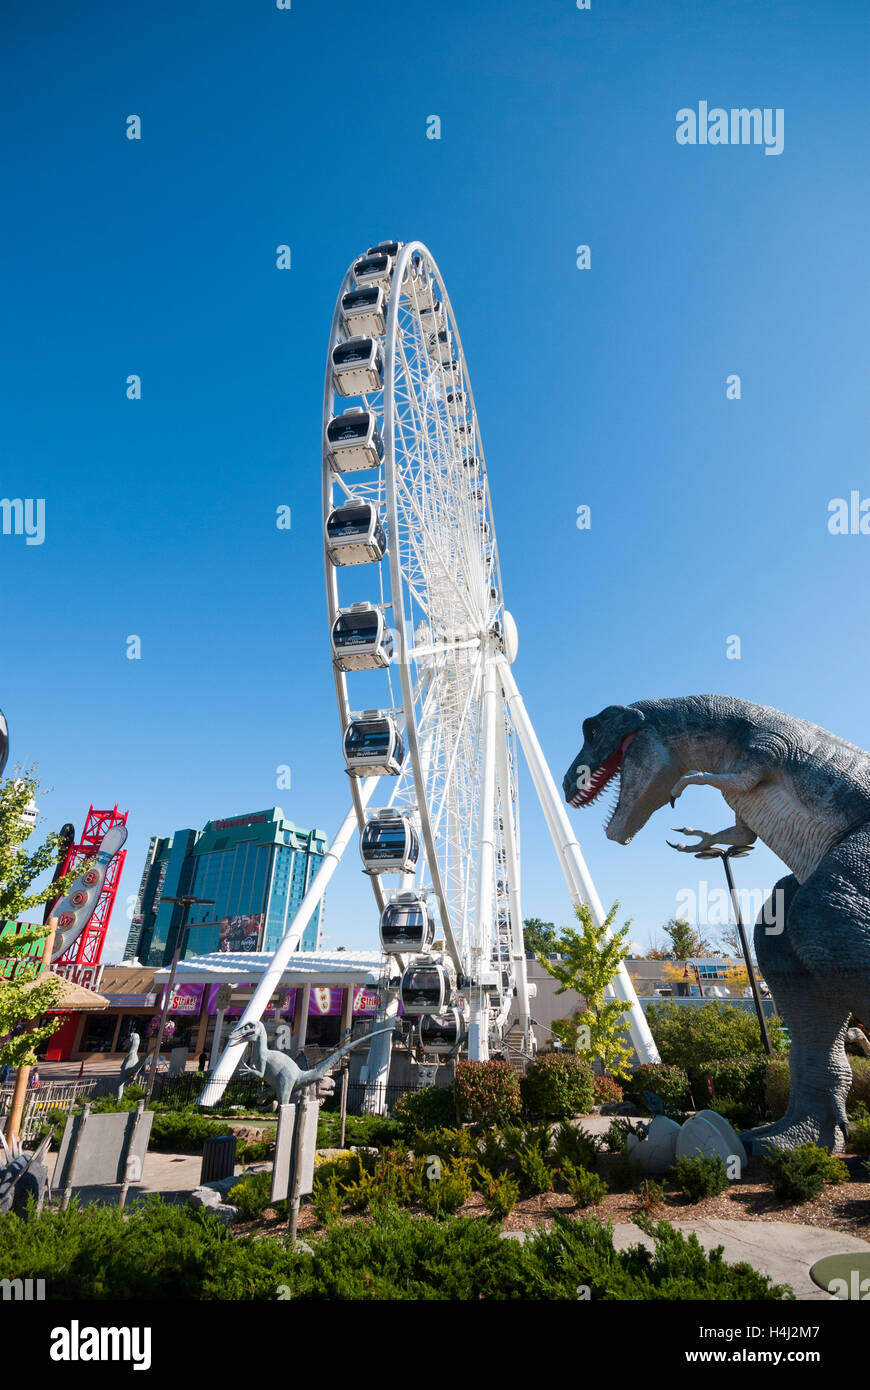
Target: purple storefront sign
(324,1002)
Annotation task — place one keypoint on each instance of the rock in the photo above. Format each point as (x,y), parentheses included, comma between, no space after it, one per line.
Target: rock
(618,1107)
(708,1133)
(657,1151)
(209,1198)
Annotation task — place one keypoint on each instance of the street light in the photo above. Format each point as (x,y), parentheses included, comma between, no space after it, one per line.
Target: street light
(187,902)
(727,846)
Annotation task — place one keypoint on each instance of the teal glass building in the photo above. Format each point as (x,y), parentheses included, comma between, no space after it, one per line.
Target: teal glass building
(257,868)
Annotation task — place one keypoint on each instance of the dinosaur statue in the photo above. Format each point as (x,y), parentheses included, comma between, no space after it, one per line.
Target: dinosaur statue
(806,794)
(23,1175)
(131,1065)
(277,1069)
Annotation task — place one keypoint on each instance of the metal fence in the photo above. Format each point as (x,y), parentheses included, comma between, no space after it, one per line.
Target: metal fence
(51,1101)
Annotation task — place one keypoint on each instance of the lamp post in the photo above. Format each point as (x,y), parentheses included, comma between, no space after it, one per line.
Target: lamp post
(187,901)
(718,847)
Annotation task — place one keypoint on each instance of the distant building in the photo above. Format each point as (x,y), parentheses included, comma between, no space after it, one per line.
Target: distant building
(257,868)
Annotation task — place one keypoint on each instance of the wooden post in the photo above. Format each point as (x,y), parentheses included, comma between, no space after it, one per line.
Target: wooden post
(346,1030)
(131,1145)
(67,1191)
(22,1077)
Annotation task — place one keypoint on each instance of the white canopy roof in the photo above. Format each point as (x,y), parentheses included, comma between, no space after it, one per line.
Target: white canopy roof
(304,968)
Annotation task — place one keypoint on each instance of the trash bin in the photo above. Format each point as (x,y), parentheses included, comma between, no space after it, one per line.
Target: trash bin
(218,1158)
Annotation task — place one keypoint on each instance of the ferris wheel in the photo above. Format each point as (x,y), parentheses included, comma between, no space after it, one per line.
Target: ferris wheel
(418,629)
(422,646)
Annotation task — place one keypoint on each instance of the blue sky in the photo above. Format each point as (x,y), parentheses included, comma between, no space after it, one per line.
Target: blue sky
(603,387)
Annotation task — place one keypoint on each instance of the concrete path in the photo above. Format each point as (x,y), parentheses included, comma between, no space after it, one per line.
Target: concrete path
(174,1175)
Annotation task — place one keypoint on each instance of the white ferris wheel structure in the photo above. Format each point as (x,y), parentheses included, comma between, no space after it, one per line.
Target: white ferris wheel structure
(422,645)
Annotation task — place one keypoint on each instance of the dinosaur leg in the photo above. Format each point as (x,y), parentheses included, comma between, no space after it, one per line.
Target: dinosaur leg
(818,970)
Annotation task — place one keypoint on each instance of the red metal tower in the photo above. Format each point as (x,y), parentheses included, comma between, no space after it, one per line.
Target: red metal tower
(88,949)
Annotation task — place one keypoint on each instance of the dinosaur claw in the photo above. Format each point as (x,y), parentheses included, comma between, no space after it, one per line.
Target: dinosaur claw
(673,801)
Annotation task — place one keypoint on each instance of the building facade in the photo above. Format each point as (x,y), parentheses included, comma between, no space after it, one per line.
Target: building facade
(257,868)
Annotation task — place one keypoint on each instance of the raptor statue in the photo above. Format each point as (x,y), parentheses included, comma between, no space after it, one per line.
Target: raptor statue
(803,792)
(277,1069)
(132,1064)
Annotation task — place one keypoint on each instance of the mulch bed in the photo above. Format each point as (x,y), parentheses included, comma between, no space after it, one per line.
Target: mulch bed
(845,1207)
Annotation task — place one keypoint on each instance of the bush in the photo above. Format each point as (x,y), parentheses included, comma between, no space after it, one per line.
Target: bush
(617,1134)
(799,1175)
(740,1079)
(606,1090)
(586,1188)
(153,1251)
(183,1131)
(535,1174)
(488,1092)
(256,1151)
(447,1143)
(859,1133)
(687,1036)
(669,1083)
(575,1146)
(251,1195)
(738,1115)
(428,1108)
(699,1177)
(501,1193)
(558,1085)
(445,1195)
(859,1093)
(374,1130)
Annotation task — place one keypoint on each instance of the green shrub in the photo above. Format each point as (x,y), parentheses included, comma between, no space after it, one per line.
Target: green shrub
(799,1175)
(576,1145)
(428,1108)
(446,1194)
(625,1174)
(367,1130)
(859,1133)
(557,1085)
(251,1195)
(447,1143)
(669,1083)
(606,1090)
(501,1193)
(736,1079)
(777,1086)
(699,1177)
(738,1115)
(617,1134)
(859,1093)
(327,1197)
(153,1251)
(256,1150)
(650,1195)
(535,1174)
(183,1131)
(586,1188)
(688,1037)
(488,1092)
(579,1253)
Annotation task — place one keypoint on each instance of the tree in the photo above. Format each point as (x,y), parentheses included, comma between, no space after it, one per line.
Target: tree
(686,941)
(539,937)
(21,1000)
(590,959)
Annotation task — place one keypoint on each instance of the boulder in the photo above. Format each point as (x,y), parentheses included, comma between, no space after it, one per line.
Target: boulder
(210,1199)
(708,1133)
(656,1151)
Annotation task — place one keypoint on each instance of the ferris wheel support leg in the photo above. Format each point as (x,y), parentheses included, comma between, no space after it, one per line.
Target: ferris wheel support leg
(478,1032)
(576,873)
(259,1001)
(377,1069)
(518,949)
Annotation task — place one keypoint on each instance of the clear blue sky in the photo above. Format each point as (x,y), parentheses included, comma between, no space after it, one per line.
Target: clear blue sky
(604,387)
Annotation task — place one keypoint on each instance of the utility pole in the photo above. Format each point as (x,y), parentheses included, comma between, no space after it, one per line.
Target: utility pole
(187,901)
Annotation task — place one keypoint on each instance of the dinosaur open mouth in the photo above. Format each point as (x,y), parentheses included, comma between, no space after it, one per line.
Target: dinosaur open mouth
(602,777)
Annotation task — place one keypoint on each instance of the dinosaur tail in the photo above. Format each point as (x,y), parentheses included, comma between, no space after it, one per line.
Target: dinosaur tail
(317,1073)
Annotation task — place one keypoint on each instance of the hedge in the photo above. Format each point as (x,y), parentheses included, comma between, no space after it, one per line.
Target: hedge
(557,1085)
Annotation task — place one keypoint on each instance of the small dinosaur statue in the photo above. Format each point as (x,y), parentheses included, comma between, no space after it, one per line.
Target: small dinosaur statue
(277,1069)
(805,793)
(131,1065)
